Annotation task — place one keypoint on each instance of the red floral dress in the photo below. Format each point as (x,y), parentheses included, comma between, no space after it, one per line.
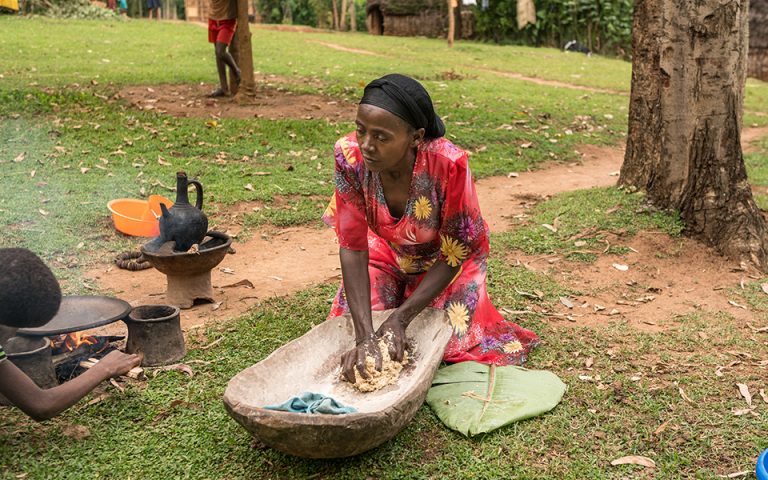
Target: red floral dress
(441,221)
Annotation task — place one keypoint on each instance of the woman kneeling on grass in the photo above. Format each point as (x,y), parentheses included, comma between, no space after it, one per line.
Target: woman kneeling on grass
(411,234)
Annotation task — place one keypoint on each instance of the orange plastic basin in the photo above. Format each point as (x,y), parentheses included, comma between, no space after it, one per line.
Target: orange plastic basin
(137,217)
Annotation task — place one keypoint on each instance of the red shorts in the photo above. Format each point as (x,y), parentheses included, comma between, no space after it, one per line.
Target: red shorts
(221,30)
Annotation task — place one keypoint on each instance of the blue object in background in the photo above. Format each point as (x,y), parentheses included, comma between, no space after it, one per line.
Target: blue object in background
(762,466)
(309,402)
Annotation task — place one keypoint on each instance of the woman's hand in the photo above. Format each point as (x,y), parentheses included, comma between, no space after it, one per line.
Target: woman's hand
(117,363)
(355,358)
(393,333)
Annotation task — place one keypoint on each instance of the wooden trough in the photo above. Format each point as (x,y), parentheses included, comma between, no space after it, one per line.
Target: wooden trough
(311,364)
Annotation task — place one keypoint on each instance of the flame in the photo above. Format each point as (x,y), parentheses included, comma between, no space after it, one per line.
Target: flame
(71,341)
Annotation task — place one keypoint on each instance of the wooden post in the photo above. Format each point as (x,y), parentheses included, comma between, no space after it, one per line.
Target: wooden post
(242,53)
(451,22)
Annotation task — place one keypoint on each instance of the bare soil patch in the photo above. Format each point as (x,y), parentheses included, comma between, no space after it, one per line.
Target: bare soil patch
(552,83)
(665,278)
(270,102)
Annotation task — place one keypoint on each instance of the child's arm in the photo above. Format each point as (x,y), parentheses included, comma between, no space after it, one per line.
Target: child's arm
(41,404)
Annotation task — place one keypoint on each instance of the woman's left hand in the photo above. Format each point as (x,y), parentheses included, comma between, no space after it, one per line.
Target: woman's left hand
(393,332)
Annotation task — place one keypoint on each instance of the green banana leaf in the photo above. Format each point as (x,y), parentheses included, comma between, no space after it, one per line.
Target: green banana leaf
(474,398)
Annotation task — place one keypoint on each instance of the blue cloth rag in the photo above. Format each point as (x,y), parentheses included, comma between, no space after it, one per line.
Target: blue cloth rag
(309,402)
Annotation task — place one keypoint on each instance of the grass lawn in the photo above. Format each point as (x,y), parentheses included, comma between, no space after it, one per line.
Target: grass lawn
(67,147)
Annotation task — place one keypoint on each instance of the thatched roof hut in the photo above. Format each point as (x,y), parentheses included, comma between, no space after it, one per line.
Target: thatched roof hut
(757,63)
(411,18)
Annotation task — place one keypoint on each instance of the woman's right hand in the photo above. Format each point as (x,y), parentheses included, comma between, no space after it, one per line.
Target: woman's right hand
(117,363)
(355,358)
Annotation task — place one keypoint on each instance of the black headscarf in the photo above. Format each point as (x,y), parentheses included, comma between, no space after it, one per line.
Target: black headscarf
(406,98)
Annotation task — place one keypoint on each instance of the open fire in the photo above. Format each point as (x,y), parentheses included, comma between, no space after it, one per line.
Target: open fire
(70,342)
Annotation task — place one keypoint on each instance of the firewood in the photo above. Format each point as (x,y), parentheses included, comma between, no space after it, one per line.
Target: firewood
(137,373)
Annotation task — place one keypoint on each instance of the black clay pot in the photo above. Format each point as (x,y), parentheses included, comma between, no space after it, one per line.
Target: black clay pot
(33,356)
(155,332)
(184,223)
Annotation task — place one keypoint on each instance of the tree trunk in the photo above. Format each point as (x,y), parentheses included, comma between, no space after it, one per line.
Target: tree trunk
(352,16)
(335,14)
(683,147)
(242,53)
(451,22)
(343,19)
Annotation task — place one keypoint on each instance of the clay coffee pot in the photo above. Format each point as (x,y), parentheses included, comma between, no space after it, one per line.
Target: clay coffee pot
(184,223)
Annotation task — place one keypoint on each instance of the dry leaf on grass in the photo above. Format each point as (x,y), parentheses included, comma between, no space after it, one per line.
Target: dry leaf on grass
(763,395)
(634,460)
(77,432)
(248,187)
(179,367)
(620,267)
(744,391)
(743,473)
(20,157)
(589,362)
(566,302)
(744,411)
(684,396)
(764,287)
(661,428)
(549,227)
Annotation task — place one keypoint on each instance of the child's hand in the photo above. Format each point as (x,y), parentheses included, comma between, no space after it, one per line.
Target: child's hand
(117,363)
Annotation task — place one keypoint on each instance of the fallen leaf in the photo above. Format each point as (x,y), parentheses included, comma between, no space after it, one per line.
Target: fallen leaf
(98,399)
(764,287)
(763,395)
(77,432)
(513,175)
(743,473)
(162,161)
(744,391)
(216,306)
(599,308)
(620,267)
(566,302)
(179,367)
(736,304)
(589,362)
(634,460)
(661,428)
(84,170)
(579,243)
(586,378)
(242,283)
(614,312)
(20,157)
(248,186)
(684,396)
(227,270)
(742,411)
(42,212)
(275,277)
(549,227)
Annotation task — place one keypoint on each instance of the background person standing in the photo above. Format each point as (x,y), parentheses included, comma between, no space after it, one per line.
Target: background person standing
(221,28)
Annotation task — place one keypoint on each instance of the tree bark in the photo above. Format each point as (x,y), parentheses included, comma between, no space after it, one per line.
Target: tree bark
(343,19)
(335,14)
(683,147)
(241,51)
(451,22)
(352,16)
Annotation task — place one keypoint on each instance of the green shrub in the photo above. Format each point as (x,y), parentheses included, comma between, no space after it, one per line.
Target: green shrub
(604,26)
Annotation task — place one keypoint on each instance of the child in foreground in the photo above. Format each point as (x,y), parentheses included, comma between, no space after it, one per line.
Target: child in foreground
(30,297)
